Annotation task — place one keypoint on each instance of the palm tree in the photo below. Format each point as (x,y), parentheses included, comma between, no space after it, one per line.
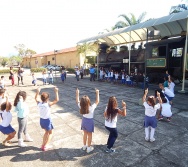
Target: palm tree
(85,48)
(129,20)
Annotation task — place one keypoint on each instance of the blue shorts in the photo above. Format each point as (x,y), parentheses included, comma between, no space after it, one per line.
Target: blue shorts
(150,121)
(46,124)
(169,98)
(6,130)
(87,124)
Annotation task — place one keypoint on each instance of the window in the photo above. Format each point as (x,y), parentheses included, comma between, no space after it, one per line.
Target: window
(177,52)
(155,52)
(53,58)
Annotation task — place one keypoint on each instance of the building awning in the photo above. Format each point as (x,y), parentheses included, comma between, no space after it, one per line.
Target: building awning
(171,25)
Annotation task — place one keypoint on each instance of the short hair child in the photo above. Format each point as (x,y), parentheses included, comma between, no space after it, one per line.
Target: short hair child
(5,126)
(87,110)
(45,118)
(150,121)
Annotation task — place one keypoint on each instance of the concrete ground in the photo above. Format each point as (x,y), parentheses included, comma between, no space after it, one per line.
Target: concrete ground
(170,148)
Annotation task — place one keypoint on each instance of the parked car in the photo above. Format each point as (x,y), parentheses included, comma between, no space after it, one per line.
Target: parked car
(50,67)
(57,68)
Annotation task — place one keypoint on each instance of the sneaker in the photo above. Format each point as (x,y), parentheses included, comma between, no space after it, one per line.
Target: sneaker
(6,143)
(84,148)
(146,139)
(89,149)
(160,118)
(28,138)
(46,148)
(21,143)
(168,119)
(110,150)
(152,140)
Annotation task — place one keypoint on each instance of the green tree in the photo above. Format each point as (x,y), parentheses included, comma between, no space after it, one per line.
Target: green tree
(23,51)
(129,20)
(4,61)
(85,48)
(15,60)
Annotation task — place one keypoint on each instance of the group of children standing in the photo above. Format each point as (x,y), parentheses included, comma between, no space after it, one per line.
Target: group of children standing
(87,109)
(115,77)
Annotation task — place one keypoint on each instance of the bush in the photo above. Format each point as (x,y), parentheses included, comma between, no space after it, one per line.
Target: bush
(37,69)
(5,71)
(70,70)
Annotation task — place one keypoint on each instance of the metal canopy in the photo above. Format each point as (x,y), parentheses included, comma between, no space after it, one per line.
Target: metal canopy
(171,26)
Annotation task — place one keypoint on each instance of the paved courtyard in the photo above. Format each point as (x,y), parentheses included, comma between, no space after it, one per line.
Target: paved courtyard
(169,150)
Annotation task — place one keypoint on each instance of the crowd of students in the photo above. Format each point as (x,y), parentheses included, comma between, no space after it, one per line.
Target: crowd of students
(161,101)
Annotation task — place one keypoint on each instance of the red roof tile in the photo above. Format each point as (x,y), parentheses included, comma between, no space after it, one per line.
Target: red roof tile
(72,49)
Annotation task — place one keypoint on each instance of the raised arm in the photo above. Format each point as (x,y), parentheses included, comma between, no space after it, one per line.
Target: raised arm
(37,94)
(144,96)
(7,104)
(123,112)
(56,97)
(97,96)
(159,97)
(77,96)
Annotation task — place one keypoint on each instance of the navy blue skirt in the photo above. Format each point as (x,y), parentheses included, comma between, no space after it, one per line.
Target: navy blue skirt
(6,130)
(150,121)
(87,124)
(46,124)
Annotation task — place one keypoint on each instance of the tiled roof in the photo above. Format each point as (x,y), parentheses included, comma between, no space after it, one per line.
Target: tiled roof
(72,49)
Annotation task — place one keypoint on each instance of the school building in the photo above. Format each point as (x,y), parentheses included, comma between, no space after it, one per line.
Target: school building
(66,57)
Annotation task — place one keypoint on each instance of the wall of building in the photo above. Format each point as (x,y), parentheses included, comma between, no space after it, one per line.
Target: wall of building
(67,59)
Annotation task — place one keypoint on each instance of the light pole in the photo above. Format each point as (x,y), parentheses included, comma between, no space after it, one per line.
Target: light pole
(55,52)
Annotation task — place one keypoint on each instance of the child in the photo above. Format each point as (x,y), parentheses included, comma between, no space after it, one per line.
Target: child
(22,113)
(128,81)
(123,77)
(63,76)
(44,77)
(165,110)
(45,119)
(87,110)
(167,92)
(2,82)
(150,121)
(5,126)
(110,114)
(171,83)
(50,77)
(116,77)
(77,74)
(34,80)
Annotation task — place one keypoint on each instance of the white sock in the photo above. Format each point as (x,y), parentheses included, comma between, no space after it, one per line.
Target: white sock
(147,132)
(152,133)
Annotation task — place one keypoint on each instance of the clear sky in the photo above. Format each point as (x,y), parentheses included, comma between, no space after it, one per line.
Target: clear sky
(45,25)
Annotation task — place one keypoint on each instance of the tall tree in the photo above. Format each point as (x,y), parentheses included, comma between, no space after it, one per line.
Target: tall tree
(85,48)
(129,20)
(23,51)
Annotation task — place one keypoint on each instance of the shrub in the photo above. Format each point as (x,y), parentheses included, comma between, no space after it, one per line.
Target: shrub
(70,70)
(37,69)
(5,71)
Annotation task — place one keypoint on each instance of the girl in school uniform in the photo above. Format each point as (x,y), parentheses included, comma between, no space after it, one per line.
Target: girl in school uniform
(87,110)
(110,114)
(22,111)
(150,121)
(5,126)
(44,77)
(45,118)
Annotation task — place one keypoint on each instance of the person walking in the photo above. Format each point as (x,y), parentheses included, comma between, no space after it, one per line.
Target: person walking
(20,75)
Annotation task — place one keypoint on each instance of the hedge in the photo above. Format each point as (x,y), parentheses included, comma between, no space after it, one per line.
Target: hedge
(71,70)
(37,69)
(5,71)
